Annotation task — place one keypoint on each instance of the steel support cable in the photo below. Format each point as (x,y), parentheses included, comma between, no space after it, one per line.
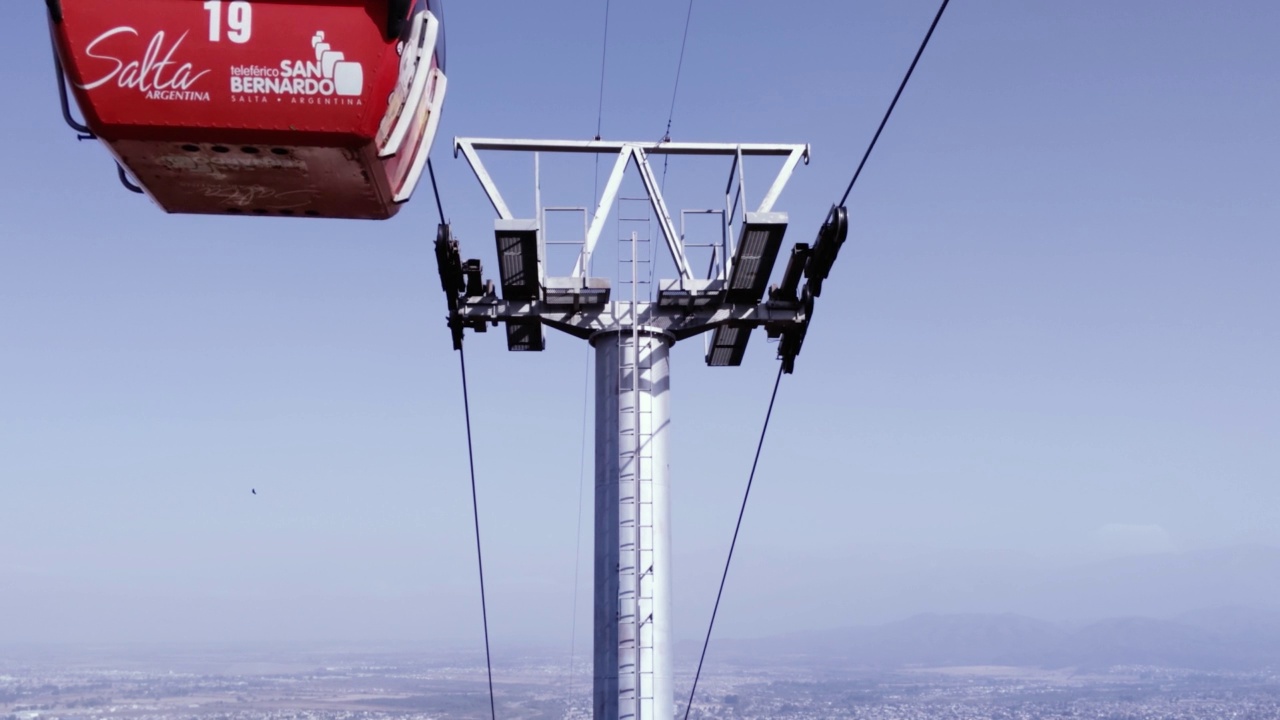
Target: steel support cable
(680,65)
(431,170)
(582,460)
(475,511)
(577,548)
(666,137)
(894,104)
(595,194)
(675,91)
(471,462)
(604,56)
(755,463)
(734,543)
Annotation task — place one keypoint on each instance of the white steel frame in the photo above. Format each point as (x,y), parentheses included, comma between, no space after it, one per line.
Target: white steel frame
(638,153)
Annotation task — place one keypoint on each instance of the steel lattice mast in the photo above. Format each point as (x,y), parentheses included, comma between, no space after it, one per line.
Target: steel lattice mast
(632,338)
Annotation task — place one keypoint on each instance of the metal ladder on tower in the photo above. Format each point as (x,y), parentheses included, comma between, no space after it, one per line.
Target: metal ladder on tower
(635,591)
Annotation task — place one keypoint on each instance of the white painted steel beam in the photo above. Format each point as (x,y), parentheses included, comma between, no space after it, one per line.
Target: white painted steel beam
(639,152)
(486,182)
(602,212)
(674,242)
(613,146)
(780,182)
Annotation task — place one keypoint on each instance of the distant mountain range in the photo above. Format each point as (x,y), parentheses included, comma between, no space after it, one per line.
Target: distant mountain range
(1208,609)
(1226,638)
(793,592)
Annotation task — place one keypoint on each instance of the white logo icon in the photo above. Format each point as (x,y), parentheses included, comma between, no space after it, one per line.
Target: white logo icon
(347,77)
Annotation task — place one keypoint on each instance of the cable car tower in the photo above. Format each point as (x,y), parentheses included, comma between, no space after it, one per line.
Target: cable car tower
(632,338)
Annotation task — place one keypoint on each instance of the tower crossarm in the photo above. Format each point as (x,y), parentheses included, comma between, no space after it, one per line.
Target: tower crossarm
(734,298)
(677,323)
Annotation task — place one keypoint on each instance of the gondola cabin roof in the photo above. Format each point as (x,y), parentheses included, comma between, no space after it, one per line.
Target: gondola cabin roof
(272,107)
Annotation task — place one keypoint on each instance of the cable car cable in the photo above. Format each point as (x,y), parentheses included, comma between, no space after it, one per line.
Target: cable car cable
(604,56)
(436,189)
(666,136)
(475,511)
(595,194)
(734,543)
(894,104)
(471,463)
(577,548)
(684,41)
(755,463)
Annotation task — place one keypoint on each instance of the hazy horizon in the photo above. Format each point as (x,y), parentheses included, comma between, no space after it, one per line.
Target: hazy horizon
(1154,585)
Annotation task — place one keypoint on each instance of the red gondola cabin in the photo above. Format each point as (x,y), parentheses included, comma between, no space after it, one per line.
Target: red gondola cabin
(271,107)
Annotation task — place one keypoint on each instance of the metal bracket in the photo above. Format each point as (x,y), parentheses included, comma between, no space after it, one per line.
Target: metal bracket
(83,132)
(126,182)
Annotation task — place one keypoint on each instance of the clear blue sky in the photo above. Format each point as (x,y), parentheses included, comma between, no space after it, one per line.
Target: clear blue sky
(1052,336)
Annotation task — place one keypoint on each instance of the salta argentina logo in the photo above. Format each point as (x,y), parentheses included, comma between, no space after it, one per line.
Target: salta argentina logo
(328,79)
(156,74)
